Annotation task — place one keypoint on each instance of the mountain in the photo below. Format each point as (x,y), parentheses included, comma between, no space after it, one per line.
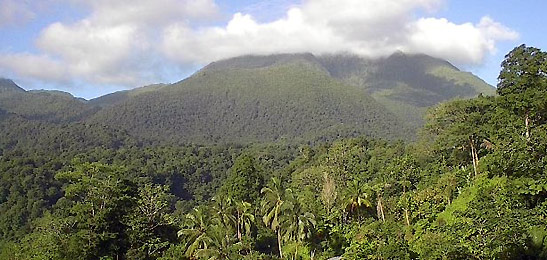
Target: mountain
(45,105)
(120,96)
(255,99)
(8,86)
(406,84)
(292,97)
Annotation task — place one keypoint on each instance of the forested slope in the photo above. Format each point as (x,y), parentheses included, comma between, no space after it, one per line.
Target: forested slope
(51,106)
(406,84)
(294,101)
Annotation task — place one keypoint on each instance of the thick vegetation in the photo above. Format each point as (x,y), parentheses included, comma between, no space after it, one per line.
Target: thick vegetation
(406,84)
(293,101)
(472,187)
(294,97)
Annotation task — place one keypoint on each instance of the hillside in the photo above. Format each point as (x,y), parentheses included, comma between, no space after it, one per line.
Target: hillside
(8,86)
(293,97)
(120,96)
(51,106)
(260,100)
(406,84)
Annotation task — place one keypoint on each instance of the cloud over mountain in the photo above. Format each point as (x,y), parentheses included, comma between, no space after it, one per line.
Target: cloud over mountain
(369,28)
(131,43)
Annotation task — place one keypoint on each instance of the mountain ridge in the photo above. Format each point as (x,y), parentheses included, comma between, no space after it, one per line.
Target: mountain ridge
(260,104)
(262,98)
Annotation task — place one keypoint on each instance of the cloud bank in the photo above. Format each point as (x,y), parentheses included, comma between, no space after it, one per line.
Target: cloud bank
(131,42)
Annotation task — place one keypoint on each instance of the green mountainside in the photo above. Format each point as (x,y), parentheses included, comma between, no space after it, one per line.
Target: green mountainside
(282,101)
(120,96)
(293,97)
(52,106)
(288,96)
(406,84)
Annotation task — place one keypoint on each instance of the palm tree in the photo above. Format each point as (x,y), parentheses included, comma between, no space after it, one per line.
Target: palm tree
(356,197)
(223,212)
(272,204)
(297,224)
(208,231)
(284,215)
(194,231)
(244,217)
(219,245)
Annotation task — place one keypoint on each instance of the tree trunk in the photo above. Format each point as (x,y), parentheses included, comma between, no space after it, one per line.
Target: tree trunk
(380,210)
(279,244)
(406,216)
(474,156)
(527,123)
(238,227)
(476,159)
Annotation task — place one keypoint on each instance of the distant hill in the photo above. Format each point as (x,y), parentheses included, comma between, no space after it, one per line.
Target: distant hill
(46,105)
(258,62)
(291,97)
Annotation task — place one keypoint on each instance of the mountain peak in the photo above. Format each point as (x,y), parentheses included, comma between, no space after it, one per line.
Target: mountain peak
(262,61)
(7,85)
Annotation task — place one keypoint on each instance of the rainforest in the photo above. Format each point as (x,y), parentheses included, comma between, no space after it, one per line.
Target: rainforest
(209,169)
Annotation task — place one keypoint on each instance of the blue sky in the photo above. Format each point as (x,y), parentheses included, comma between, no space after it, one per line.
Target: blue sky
(525,17)
(93,47)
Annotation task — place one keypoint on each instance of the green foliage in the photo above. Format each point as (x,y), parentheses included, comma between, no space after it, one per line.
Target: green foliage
(472,188)
(406,84)
(379,241)
(50,106)
(245,180)
(150,226)
(523,69)
(294,101)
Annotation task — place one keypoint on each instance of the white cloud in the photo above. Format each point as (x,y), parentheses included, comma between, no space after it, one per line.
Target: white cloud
(370,28)
(14,12)
(34,66)
(114,44)
(460,43)
(132,42)
(495,31)
(146,12)
(94,51)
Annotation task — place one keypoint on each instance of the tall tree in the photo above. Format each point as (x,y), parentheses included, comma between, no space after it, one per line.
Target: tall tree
(194,232)
(297,224)
(245,179)
(357,197)
(272,207)
(98,197)
(244,219)
(460,128)
(523,82)
(150,226)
